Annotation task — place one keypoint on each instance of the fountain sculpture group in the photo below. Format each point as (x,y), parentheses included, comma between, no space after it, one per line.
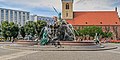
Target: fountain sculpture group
(61,31)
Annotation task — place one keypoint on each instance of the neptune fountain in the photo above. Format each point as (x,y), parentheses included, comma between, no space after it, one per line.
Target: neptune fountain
(59,31)
(62,31)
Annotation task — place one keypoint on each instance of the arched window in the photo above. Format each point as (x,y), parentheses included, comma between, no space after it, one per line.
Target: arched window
(67,6)
(66,14)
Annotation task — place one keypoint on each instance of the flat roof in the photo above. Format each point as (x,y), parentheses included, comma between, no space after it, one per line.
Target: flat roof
(15,10)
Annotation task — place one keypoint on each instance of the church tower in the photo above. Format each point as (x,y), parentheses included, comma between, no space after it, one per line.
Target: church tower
(67,9)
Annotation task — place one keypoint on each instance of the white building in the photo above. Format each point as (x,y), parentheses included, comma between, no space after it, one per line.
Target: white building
(16,16)
(32,17)
(35,18)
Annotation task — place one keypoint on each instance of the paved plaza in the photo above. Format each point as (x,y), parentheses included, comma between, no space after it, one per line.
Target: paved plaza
(17,54)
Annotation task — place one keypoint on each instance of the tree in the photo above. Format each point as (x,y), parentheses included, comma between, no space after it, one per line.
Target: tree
(39,25)
(30,28)
(107,34)
(4,26)
(14,30)
(22,31)
(9,29)
(91,31)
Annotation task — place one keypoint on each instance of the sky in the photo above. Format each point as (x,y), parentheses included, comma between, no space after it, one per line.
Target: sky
(44,7)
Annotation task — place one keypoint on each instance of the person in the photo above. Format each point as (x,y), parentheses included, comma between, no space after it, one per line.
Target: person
(97,42)
(56,41)
(13,41)
(96,39)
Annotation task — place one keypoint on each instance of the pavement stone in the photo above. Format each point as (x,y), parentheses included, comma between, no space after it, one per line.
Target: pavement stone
(64,48)
(7,52)
(70,55)
(60,55)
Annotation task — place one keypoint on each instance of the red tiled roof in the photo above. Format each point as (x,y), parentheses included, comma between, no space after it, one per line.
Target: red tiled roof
(95,18)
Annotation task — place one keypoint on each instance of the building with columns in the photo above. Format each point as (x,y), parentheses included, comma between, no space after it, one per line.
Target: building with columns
(79,19)
(16,16)
(49,20)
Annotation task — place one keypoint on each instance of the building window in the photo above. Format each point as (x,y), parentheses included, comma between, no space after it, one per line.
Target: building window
(11,15)
(67,6)
(6,15)
(116,22)
(15,16)
(100,22)
(86,22)
(66,14)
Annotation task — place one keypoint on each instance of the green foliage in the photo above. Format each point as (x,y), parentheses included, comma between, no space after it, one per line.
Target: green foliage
(32,28)
(76,32)
(14,29)
(5,31)
(92,30)
(9,29)
(22,31)
(29,28)
(107,34)
(39,25)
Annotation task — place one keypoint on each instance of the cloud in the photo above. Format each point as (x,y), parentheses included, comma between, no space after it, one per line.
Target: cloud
(93,5)
(36,3)
(2,0)
(35,6)
(46,5)
(119,11)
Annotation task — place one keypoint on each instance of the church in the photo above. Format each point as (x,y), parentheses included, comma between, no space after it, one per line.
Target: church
(79,19)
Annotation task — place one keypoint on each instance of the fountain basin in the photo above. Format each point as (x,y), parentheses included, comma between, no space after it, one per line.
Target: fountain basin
(26,42)
(77,43)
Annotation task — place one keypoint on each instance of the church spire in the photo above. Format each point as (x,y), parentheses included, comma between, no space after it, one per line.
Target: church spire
(67,9)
